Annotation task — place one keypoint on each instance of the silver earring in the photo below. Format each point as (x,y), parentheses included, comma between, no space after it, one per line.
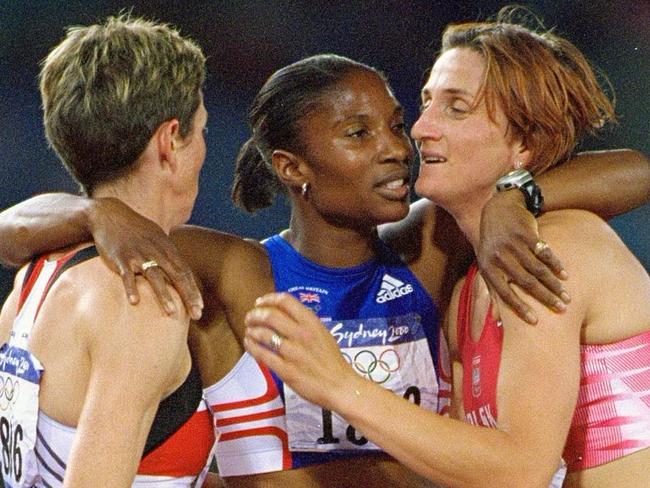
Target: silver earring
(518,164)
(304,189)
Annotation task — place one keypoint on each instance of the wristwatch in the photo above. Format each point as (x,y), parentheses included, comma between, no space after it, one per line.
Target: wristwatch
(523,180)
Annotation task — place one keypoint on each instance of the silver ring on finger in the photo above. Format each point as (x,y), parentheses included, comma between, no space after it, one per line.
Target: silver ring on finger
(276,342)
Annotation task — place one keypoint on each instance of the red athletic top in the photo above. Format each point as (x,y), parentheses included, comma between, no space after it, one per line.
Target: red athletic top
(480,360)
(612,416)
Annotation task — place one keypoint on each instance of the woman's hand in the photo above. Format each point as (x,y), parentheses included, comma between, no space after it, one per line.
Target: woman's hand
(291,340)
(510,251)
(127,241)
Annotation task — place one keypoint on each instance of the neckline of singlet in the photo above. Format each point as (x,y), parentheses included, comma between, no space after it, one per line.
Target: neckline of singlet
(310,267)
(173,410)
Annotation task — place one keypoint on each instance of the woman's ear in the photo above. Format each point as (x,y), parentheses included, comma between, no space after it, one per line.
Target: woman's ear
(290,168)
(521,156)
(168,139)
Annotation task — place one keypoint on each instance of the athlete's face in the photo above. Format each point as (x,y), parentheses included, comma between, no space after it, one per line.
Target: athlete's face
(463,150)
(358,153)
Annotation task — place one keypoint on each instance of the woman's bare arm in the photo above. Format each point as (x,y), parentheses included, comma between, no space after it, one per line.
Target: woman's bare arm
(43,223)
(124,239)
(606,183)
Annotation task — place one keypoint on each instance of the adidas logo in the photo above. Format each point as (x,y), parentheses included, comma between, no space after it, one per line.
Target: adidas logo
(392,288)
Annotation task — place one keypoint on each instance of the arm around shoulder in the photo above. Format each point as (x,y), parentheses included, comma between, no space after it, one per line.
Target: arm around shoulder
(42,223)
(607,183)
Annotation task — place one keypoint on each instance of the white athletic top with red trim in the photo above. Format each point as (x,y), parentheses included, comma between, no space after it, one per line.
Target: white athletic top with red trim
(252,429)
(181,441)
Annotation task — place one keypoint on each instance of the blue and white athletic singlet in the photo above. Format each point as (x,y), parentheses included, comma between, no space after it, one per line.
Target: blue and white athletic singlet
(387,327)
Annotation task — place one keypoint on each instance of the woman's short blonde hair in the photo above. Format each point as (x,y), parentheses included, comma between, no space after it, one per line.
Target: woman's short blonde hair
(107,87)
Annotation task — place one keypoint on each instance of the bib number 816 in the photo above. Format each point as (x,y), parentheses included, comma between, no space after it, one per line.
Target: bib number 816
(12,458)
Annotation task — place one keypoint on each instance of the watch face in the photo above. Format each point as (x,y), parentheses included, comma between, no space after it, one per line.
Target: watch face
(514,179)
(522,179)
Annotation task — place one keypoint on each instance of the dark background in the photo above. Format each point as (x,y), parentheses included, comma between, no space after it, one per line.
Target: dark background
(247,40)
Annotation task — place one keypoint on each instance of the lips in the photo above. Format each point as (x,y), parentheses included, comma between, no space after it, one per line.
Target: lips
(432,159)
(394,186)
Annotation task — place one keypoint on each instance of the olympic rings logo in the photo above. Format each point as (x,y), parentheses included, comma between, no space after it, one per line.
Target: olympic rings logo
(376,369)
(9,389)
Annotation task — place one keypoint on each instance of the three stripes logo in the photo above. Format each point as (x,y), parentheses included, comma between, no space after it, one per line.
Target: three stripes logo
(392,288)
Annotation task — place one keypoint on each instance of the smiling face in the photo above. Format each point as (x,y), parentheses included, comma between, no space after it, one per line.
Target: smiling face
(357,153)
(463,151)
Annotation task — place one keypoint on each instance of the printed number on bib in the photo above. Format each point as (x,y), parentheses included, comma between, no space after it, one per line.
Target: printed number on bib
(20,374)
(403,365)
(12,459)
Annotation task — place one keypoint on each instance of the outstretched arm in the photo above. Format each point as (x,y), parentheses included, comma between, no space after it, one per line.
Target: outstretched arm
(43,223)
(124,238)
(606,183)
(442,449)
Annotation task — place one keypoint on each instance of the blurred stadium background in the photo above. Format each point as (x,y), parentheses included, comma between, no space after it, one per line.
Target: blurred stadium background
(247,40)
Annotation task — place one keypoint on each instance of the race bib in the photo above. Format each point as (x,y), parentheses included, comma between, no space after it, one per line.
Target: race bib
(20,375)
(393,353)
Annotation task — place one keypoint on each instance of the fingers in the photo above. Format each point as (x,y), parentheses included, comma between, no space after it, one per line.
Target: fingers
(171,269)
(156,278)
(538,281)
(128,280)
(188,290)
(262,353)
(531,274)
(271,316)
(302,332)
(269,339)
(545,254)
(548,276)
(261,325)
(288,304)
(499,284)
(127,241)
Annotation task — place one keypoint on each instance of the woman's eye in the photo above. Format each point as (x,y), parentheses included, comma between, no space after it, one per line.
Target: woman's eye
(205,131)
(424,105)
(457,109)
(357,133)
(400,126)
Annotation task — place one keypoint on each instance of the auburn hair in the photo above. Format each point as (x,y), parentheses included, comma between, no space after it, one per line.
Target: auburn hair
(547,89)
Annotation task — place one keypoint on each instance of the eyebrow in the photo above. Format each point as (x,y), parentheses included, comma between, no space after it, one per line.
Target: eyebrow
(399,111)
(450,91)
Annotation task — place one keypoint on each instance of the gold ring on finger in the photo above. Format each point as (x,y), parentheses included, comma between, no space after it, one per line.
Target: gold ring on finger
(148,265)
(540,247)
